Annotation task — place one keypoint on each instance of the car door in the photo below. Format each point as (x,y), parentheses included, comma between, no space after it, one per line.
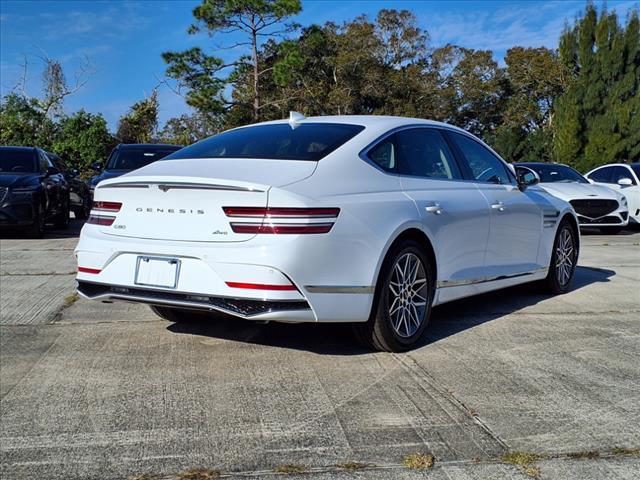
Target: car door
(453,212)
(516,218)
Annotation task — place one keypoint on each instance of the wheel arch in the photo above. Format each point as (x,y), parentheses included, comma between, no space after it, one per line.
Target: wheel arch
(414,233)
(569,217)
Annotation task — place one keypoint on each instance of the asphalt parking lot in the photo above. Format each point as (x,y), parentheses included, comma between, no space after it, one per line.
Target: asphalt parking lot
(96,391)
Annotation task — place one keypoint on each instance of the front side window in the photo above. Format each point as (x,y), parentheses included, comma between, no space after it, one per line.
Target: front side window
(602,175)
(484,165)
(619,173)
(278,141)
(425,153)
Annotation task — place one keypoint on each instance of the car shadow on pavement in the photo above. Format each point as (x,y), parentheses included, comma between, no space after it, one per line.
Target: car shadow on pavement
(50,231)
(338,339)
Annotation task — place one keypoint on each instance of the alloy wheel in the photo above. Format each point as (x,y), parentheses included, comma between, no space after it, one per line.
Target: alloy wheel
(565,254)
(408,294)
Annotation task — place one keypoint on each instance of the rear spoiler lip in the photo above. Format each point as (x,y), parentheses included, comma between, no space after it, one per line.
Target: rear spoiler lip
(164,186)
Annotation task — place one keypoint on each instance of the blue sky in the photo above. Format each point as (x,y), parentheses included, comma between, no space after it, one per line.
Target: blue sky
(124,39)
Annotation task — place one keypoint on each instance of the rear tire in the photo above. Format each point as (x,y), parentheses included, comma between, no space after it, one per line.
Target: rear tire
(611,230)
(172,314)
(402,301)
(563,260)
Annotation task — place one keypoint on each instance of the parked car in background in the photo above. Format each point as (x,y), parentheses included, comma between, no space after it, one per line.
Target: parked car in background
(624,178)
(369,220)
(79,195)
(127,157)
(596,205)
(32,191)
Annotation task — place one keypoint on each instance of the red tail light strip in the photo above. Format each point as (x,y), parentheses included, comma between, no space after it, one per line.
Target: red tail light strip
(281,212)
(106,206)
(94,271)
(104,220)
(281,228)
(260,286)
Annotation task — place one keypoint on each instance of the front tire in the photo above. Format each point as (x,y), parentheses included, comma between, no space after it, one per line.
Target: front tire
(563,260)
(36,230)
(402,301)
(62,219)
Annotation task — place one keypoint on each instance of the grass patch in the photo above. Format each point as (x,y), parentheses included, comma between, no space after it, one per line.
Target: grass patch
(352,466)
(531,471)
(583,455)
(419,461)
(521,459)
(199,474)
(290,468)
(634,452)
(144,476)
(70,300)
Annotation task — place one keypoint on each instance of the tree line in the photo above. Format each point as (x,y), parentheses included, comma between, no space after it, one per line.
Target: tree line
(578,104)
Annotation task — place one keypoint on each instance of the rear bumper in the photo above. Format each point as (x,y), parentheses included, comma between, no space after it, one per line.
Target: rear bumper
(329,279)
(252,309)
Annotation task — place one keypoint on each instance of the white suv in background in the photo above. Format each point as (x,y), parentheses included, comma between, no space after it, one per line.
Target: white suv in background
(624,177)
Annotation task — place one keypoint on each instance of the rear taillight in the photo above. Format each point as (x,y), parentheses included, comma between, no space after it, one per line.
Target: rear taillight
(106,206)
(284,212)
(282,220)
(105,220)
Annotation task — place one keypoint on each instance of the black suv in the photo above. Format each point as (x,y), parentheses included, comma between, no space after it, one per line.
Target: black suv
(79,196)
(32,191)
(127,157)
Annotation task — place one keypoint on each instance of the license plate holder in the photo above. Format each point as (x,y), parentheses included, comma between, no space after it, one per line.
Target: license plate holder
(157,271)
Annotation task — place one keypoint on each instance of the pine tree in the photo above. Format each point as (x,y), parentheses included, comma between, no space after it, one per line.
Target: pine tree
(597,118)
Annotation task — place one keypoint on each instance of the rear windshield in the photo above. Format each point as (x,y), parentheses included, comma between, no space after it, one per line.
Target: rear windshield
(134,158)
(308,141)
(14,160)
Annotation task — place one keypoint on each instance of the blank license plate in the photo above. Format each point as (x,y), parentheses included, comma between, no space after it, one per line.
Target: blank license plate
(157,272)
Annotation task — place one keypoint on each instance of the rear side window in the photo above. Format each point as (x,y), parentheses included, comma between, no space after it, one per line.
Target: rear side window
(603,175)
(308,141)
(485,166)
(425,153)
(384,154)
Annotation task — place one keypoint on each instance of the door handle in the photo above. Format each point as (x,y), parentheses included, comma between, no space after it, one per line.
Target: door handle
(498,206)
(434,208)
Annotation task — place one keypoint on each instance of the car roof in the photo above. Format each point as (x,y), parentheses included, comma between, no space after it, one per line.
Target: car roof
(11,147)
(378,121)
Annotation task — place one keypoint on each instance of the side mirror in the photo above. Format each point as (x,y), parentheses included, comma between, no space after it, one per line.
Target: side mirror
(625,182)
(52,171)
(526,177)
(97,166)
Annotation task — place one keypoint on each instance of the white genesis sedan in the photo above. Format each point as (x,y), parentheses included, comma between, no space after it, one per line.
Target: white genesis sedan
(369,220)
(595,205)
